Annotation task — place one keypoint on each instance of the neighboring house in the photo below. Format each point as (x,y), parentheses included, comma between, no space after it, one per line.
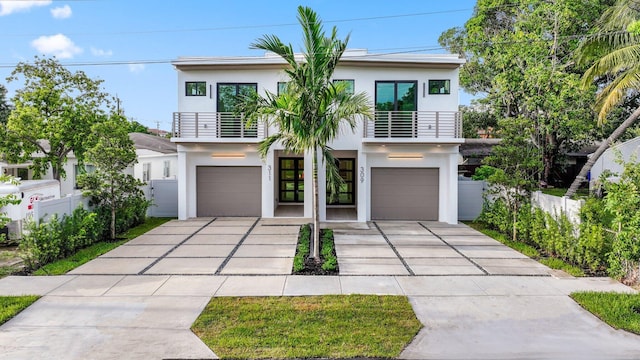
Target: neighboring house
(626,151)
(401,165)
(157,157)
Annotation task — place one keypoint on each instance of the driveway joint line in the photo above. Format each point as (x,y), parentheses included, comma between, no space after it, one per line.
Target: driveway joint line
(406,266)
(173,248)
(228,258)
(456,250)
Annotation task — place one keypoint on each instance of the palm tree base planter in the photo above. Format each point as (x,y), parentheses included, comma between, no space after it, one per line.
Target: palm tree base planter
(303,264)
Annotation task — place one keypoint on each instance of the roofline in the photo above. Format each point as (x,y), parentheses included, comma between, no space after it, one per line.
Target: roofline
(355,58)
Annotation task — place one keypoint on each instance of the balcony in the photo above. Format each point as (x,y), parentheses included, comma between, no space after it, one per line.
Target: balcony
(211,125)
(418,125)
(410,126)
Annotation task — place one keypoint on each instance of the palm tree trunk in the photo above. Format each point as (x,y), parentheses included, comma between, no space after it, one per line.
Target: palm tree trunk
(316,209)
(582,176)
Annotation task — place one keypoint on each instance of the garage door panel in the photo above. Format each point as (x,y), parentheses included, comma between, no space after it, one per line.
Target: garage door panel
(404,193)
(229,191)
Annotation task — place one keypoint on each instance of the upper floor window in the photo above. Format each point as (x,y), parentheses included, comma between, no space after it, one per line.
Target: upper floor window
(439,87)
(350,84)
(196,88)
(282,86)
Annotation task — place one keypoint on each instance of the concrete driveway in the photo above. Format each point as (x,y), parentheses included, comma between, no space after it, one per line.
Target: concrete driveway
(476,298)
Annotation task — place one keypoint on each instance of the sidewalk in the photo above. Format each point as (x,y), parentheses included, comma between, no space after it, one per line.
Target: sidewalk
(476,298)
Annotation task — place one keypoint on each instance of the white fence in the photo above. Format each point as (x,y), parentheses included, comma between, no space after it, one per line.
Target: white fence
(556,205)
(163,195)
(470,198)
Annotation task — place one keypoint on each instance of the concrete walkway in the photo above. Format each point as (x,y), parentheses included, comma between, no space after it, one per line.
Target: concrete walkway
(139,301)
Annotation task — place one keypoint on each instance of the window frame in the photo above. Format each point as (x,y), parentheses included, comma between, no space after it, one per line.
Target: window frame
(350,90)
(195,86)
(445,85)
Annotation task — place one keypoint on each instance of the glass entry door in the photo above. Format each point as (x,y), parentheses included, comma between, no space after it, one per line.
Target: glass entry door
(291,180)
(229,124)
(346,194)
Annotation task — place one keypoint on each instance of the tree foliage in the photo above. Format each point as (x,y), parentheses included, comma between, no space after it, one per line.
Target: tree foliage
(519,57)
(5,200)
(53,115)
(311,110)
(111,152)
(613,54)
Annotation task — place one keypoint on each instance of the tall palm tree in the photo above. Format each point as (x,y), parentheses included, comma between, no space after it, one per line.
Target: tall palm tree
(312,110)
(617,56)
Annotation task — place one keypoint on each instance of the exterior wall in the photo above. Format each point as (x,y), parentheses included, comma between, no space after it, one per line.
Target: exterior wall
(156,160)
(607,161)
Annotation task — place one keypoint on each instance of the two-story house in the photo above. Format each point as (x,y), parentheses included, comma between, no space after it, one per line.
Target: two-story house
(401,165)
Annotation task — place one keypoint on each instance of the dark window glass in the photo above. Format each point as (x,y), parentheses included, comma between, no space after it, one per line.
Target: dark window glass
(196,88)
(350,85)
(291,180)
(396,102)
(230,124)
(439,87)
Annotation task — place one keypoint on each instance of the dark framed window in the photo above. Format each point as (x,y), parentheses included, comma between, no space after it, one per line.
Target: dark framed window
(396,102)
(196,88)
(291,184)
(282,86)
(350,84)
(230,124)
(439,87)
(347,191)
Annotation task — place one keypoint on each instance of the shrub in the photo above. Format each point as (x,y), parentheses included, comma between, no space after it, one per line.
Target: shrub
(304,245)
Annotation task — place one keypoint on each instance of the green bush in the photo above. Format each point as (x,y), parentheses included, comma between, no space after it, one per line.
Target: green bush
(328,251)
(304,246)
(132,214)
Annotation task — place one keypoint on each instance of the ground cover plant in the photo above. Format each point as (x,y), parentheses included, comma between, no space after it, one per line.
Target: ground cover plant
(528,250)
(619,310)
(91,252)
(10,306)
(303,264)
(335,327)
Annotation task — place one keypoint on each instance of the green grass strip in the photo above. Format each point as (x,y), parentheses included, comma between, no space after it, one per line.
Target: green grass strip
(333,326)
(619,310)
(10,306)
(91,252)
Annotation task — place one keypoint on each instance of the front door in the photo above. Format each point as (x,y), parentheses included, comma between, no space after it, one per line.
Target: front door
(347,191)
(291,185)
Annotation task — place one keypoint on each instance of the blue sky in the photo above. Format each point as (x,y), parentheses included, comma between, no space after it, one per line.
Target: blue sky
(129,43)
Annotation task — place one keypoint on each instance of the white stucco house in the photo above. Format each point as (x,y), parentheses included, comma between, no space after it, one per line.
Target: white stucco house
(625,151)
(403,164)
(157,159)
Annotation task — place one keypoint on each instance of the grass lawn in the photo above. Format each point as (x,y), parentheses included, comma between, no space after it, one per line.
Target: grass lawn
(528,250)
(10,306)
(620,311)
(91,252)
(335,326)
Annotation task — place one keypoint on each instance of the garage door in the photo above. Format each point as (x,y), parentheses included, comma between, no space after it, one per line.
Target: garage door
(229,190)
(404,194)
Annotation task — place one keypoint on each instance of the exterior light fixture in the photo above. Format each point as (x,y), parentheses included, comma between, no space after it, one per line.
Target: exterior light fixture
(228,155)
(405,156)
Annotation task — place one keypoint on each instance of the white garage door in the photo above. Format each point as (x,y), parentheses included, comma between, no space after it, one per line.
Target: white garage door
(229,190)
(404,193)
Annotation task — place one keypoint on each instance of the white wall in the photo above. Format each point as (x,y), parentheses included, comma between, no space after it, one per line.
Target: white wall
(156,161)
(607,161)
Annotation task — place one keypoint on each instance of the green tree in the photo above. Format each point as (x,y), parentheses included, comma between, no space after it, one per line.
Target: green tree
(55,106)
(310,112)
(136,127)
(112,152)
(614,55)
(517,167)
(5,110)
(519,58)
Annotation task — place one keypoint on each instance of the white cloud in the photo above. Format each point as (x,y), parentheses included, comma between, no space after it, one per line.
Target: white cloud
(100,52)
(58,45)
(61,12)
(136,68)
(11,6)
